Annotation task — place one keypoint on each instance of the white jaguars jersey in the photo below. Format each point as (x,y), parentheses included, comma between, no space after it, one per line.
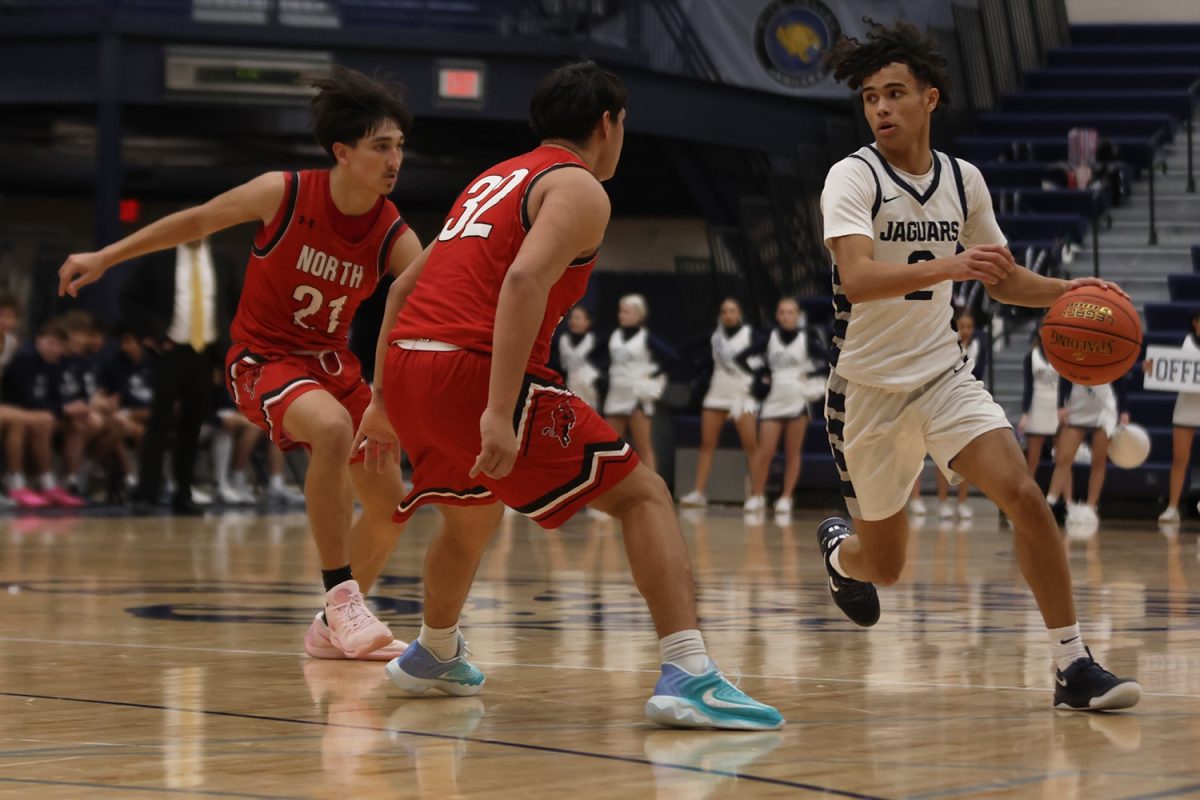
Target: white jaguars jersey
(901,343)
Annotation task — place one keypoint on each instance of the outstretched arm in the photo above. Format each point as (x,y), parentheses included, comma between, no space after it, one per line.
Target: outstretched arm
(255,200)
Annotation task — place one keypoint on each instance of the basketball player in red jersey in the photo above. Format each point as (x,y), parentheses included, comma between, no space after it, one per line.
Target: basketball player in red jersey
(462,379)
(324,239)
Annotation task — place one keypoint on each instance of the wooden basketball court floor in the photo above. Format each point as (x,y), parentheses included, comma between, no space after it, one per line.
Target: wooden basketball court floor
(159,657)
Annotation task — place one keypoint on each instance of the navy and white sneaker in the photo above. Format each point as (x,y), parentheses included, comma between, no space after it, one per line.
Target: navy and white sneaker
(858,600)
(1087,686)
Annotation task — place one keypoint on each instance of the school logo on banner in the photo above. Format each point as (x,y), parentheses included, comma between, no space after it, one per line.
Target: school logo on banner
(791,39)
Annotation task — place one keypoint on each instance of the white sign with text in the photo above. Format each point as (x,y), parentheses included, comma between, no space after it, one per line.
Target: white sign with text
(1174,369)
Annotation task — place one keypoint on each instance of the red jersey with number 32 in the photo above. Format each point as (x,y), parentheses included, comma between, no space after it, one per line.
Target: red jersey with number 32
(455,299)
(311,268)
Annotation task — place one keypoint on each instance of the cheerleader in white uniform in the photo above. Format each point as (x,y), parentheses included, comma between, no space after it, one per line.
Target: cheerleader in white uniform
(797,363)
(1041,401)
(1185,420)
(729,394)
(1095,409)
(635,376)
(574,350)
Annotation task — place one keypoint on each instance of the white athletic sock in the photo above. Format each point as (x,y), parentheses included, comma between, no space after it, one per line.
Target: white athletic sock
(1066,645)
(222,451)
(685,649)
(16,481)
(275,484)
(442,642)
(46,481)
(836,563)
(1051,499)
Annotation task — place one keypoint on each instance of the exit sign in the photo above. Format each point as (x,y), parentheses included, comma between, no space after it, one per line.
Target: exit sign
(460,83)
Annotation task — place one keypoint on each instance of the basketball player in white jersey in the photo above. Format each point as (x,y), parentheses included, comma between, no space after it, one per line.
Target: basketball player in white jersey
(900,386)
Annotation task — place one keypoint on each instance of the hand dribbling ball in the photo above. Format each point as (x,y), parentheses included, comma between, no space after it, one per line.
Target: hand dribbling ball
(1091,335)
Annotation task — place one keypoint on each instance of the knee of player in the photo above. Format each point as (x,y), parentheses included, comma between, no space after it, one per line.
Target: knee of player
(333,431)
(887,572)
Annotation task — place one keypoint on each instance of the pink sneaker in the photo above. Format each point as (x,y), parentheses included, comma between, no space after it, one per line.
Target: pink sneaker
(62,498)
(28,498)
(318,643)
(353,629)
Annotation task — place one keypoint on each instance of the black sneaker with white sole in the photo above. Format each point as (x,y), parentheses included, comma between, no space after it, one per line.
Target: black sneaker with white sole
(858,600)
(1087,686)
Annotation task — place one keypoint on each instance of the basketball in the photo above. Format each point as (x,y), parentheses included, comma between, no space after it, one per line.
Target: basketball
(1129,446)
(1092,336)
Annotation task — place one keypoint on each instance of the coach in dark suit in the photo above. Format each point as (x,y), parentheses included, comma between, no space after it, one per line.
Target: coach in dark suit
(180,302)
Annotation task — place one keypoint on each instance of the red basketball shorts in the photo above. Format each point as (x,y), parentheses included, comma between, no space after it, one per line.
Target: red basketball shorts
(264,387)
(567,454)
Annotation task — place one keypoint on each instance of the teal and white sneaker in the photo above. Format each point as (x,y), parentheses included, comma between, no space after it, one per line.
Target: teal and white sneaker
(707,700)
(419,670)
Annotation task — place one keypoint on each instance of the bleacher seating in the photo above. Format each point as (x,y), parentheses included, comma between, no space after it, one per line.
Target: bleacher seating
(1112,79)
(1136,56)
(1138,151)
(1184,287)
(1109,124)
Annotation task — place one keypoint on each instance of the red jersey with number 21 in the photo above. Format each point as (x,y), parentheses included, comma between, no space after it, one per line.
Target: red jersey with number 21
(455,299)
(311,268)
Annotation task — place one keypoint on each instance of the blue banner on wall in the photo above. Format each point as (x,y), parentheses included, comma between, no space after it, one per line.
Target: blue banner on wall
(779,45)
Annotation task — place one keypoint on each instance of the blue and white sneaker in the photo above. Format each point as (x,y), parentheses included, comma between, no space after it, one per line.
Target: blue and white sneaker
(707,700)
(419,670)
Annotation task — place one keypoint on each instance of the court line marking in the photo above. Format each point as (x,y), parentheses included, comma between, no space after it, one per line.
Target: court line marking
(1190,789)
(994,786)
(121,787)
(40,761)
(520,665)
(741,776)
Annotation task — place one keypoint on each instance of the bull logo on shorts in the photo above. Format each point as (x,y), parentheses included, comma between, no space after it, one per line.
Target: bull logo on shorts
(247,382)
(562,420)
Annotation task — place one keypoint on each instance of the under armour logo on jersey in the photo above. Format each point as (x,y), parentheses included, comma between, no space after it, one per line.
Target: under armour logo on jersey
(562,420)
(309,221)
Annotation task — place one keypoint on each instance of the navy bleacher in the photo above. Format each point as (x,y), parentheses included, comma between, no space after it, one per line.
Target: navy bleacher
(1153,34)
(1107,56)
(1138,151)
(1109,124)
(1118,79)
(1184,287)
(1174,317)
(1177,103)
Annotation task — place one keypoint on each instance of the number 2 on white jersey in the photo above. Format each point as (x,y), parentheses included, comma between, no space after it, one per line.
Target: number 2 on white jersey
(490,188)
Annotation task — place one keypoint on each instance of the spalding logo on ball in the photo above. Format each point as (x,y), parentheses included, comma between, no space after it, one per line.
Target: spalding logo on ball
(1092,336)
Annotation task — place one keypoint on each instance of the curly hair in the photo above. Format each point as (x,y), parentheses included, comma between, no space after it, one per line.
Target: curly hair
(350,105)
(853,61)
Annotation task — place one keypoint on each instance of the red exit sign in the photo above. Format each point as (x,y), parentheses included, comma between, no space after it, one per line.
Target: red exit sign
(460,83)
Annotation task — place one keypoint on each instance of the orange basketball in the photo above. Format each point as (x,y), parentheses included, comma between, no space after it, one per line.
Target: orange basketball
(1092,335)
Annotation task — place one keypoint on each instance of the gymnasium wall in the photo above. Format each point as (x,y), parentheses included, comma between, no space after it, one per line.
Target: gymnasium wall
(1083,11)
